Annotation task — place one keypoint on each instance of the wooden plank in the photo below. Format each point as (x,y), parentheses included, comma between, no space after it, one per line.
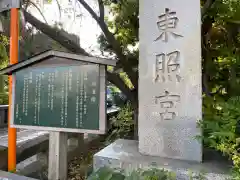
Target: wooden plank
(10,176)
(23,136)
(58,147)
(25,147)
(31,147)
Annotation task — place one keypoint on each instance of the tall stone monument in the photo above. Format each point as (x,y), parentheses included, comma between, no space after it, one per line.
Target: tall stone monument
(170,102)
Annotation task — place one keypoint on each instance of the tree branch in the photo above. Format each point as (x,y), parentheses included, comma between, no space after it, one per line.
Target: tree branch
(55,34)
(101,10)
(90,10)
(207,5)
(117,80)
(115,44)
(39,10)
(74,47)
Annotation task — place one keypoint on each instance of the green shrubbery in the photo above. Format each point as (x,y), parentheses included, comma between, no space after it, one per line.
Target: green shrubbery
(140,174)
(122,125)
(221,127)
(4,98)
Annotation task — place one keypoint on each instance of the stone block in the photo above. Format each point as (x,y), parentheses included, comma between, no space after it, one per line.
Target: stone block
(123,154)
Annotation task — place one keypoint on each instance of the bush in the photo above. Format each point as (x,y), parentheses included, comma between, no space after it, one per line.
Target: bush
(3,98)
(122,126)
(150,174)
(221,127)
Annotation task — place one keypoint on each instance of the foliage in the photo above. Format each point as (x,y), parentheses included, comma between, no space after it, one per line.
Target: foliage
(113,89)
(3,98)
(221,125)
(105,173)
(220,37)
(123,23)
(121,125)
(4,42)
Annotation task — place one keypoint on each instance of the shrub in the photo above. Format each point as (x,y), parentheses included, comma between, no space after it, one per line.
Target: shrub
(151,174)
(221,127)
(3,98)
(122,125)
(140,174)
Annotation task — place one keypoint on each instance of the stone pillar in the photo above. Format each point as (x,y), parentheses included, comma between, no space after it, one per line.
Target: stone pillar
(170,92)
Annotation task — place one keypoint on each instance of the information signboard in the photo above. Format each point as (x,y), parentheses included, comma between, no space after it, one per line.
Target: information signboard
(58,91)
(62,97)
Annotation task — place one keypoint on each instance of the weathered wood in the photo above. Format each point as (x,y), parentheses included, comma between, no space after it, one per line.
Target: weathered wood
(24,153)
(26,148)
(34,149)
(11,176)
(57,165)
(35,146)
(35,168)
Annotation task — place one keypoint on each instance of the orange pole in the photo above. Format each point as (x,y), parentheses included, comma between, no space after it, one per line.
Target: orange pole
(12,135)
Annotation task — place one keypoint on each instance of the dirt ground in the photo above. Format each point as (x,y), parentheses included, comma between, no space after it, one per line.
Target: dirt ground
(81,167)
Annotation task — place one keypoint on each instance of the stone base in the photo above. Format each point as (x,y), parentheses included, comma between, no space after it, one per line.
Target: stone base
(124,154)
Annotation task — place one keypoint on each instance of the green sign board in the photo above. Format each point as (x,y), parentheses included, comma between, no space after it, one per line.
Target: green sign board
(61,98)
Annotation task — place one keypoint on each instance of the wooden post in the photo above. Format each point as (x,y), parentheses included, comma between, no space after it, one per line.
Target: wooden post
(12,137)
(57,166)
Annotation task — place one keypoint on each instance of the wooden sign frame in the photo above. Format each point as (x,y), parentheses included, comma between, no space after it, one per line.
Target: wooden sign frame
(60,57)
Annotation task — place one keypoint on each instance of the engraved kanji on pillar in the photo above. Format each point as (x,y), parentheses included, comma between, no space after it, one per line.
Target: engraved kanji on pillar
(168,67)
(166,25)
(168,104)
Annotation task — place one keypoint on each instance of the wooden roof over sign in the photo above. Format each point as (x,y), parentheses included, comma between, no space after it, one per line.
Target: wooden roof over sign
(52,53)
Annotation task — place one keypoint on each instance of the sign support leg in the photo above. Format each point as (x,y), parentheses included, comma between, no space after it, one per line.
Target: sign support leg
(57,166)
